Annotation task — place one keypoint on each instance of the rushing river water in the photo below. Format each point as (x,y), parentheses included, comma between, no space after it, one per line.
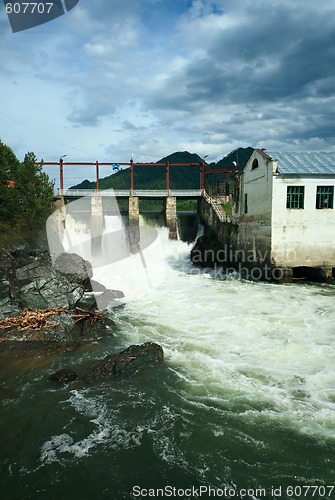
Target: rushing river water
(244,402)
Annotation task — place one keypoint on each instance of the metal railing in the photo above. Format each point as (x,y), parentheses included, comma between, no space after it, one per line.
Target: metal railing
(218,209)
(187,193)
(125,193)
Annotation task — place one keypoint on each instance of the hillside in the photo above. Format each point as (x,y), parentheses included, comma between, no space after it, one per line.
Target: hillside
(154,176)
(240,155)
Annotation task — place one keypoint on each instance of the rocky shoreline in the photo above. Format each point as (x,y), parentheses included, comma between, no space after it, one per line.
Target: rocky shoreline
(30,280)
(32,287)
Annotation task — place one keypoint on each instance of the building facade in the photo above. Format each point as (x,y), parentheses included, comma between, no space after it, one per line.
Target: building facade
(284,214)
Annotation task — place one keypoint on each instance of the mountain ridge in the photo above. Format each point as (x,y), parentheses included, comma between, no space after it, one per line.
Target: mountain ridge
(153,176)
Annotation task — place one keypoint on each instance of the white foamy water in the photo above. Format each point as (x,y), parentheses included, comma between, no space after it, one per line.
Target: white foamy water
(106,429)
(115,267)
(262,350)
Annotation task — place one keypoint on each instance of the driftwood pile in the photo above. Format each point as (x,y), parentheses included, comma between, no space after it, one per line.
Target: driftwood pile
(38,318)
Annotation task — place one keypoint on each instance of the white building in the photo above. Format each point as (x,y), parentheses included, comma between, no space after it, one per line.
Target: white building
(284,213)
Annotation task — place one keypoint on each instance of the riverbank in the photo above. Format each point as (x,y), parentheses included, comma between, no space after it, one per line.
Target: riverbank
(32,286)
(243,399)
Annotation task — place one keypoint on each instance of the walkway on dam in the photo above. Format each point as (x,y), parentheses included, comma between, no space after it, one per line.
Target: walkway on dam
(126,193)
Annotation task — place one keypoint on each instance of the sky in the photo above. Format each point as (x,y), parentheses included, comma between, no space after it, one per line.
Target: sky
(150,77)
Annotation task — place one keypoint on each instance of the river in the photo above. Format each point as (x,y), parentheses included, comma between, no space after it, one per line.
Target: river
(244,402)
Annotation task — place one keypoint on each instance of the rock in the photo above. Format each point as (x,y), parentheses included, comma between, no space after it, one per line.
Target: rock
(108,297)
(127,361)
(7,307)
(64,375)
(63,331)
(71,263)
(96,330)
(29,279)
(206,249)
(66,330)
(40,286)
(22,251)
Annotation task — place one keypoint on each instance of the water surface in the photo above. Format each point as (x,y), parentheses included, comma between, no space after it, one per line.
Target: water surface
(244,399)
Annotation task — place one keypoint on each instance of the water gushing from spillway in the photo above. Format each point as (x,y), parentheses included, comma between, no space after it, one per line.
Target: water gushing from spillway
(266,348)
(245,396)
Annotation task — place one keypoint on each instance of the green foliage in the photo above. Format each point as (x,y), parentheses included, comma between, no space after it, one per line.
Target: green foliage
(239,155)
(9,165)
(35,190)
(153,176)
(27,203)
(187,205)
(227,208)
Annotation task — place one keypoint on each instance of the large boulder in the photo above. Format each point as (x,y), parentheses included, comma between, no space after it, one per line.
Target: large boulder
(127,361)
(115,365)
(72,264)
(28,278)
(39,285)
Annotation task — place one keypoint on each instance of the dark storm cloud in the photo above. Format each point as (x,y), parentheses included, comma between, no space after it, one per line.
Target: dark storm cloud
(274,54)
(157,75)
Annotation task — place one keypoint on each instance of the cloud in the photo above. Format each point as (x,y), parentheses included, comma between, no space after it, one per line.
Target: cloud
(255,61)
(260,57)
(153,76)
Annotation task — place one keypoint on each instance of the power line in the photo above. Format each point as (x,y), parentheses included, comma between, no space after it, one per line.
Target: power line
(44,135)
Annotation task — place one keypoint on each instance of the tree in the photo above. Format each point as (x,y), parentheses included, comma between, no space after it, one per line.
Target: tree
(35,190)
(26,201)
(9,166)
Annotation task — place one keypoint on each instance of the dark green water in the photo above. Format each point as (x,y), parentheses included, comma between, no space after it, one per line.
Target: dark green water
(245,398)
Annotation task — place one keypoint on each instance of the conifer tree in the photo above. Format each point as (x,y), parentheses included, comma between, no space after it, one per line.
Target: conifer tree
(9,165)
(35,190)
(25,191)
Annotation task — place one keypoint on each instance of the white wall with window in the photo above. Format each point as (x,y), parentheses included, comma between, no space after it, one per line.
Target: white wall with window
(289,199)
(303,235)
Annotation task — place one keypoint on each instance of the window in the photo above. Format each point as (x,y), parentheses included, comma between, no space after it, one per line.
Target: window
(254,164)
(295,196)
(324,197)
(245,203)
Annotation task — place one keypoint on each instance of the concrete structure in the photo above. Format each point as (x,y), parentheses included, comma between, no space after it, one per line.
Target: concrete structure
(97,225)
(57,225)
(283,220)
(169,197)
(170,210)
(134,223)
(284,213)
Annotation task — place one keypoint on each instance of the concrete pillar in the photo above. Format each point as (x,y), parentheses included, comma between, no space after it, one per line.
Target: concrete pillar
(59,203)
(56,223)
(134,224)
(282,274)
(170,209)
(97,225)
(324,274)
